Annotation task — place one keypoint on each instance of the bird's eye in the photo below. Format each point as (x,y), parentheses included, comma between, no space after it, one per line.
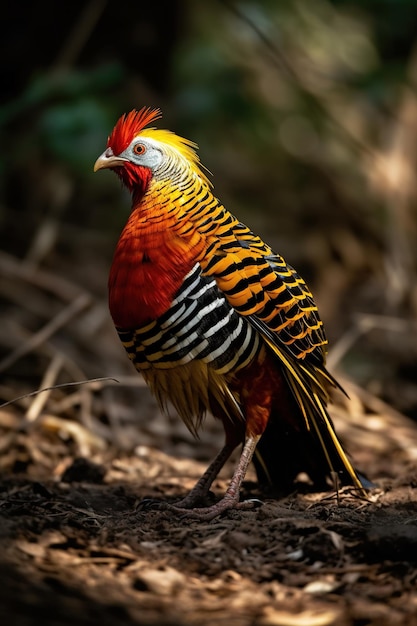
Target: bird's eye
(139,148)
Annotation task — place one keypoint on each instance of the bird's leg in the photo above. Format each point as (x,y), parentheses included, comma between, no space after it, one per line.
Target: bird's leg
(257,387)
(231,498)
(202,487)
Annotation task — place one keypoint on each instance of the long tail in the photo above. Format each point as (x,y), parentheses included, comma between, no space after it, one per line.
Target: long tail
(300,436)
(285,451)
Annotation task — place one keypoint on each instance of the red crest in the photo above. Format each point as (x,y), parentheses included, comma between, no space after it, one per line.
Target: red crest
(130,125)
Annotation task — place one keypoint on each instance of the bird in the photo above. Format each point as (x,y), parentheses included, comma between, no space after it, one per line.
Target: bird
(217,322)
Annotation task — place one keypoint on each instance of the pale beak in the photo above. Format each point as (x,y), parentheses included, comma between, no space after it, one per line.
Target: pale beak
(107,159)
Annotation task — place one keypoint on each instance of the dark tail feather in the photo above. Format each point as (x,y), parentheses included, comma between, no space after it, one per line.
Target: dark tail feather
(287,449)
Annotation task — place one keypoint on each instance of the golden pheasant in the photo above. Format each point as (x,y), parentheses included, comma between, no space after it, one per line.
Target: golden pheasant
(215,321)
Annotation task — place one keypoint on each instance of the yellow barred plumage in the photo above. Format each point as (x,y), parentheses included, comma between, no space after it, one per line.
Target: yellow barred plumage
(269,288)
(237,256)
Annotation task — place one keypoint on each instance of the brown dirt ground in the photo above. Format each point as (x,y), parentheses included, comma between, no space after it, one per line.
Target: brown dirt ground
(77,547)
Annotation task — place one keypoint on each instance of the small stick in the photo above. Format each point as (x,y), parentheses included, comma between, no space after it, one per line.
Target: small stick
(48,380)
(60,386)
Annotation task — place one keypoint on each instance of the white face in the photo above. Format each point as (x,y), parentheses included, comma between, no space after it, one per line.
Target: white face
(145,152)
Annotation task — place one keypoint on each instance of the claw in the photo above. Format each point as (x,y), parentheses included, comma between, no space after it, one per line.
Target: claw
(149,504)
(250,503)
(206,513)
(210,512)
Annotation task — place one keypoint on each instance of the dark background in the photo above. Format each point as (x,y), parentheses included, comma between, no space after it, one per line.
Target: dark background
(305,113)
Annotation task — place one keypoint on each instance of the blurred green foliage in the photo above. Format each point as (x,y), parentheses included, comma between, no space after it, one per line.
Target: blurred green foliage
(69,119)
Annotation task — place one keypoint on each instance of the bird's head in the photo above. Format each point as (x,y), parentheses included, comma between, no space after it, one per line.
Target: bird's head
(138,154)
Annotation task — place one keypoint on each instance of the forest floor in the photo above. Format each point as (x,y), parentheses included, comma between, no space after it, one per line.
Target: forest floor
(77,547)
